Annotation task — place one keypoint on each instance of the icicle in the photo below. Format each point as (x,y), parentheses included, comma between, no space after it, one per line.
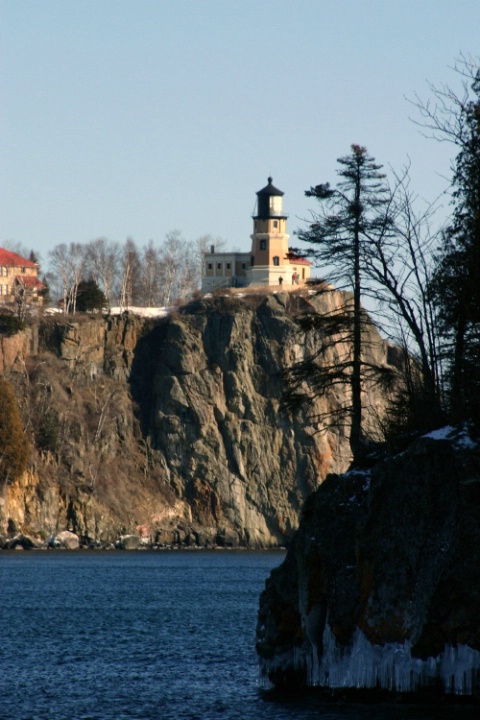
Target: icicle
(391,666)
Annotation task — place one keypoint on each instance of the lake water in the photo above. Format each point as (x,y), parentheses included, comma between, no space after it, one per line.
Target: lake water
(145,636)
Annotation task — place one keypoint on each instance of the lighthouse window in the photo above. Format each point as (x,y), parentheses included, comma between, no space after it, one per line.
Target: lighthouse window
(276,260)
(263,244)
(275,204)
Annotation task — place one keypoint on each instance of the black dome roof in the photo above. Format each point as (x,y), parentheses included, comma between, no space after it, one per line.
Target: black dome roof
(270,189)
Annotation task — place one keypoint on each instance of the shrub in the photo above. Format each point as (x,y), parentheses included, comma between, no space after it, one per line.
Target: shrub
(48,432)
(14,448)
(10,324)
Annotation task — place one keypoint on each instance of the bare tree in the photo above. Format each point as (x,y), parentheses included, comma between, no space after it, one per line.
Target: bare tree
(60,274)
(67,263)
(102,258)
(172,259)
(399,265)
(149,280)
(77,264)
(130,267)
(189,279)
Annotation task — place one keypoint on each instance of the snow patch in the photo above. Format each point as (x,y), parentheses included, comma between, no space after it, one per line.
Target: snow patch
(442,433)
(150,312)
(459,437)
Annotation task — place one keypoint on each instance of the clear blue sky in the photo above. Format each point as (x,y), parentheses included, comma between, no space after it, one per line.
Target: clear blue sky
(137,117)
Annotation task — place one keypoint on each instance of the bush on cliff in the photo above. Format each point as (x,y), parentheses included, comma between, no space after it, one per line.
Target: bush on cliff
(10,324)
(14,448)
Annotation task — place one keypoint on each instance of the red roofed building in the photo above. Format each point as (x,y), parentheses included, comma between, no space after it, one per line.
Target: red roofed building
(19,278)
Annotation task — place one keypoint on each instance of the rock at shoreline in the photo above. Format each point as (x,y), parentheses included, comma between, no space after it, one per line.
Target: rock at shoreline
(20,542)
(381,585)
(129,542)
(68,540)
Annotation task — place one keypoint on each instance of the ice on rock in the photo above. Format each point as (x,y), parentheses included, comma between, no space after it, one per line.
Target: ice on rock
(390,666)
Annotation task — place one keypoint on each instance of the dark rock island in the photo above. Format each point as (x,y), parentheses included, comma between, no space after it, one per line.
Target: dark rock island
(380,587)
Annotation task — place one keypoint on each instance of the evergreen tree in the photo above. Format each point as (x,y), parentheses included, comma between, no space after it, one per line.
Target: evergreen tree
(456,283)
(351,216)
(89,296)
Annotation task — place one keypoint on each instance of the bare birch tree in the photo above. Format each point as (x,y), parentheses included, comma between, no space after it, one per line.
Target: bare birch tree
(130,272)
(149,280)
(102,259)
(67,263)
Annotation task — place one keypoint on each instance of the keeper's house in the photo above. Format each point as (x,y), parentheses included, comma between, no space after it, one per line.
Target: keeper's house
(269,262)
(19,279)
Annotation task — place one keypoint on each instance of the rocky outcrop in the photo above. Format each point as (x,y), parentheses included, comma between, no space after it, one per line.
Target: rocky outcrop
(173,430)
(380,588)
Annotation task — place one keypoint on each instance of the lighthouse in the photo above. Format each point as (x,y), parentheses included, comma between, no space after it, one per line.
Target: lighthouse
(269,259)
(269,262)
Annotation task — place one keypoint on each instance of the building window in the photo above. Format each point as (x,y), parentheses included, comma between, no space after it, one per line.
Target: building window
(219,266)
(228,266)
(275,223)
(263,244)
(210,266)
(252,261)
(24,271)
(244,266)
(1,286)
(276,260)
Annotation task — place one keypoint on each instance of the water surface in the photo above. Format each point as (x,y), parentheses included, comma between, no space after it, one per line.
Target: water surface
(145,636)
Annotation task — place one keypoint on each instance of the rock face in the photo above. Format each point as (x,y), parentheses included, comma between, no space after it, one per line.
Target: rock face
(172,430)
(380,588)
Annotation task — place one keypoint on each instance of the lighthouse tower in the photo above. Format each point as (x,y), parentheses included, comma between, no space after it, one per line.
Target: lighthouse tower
(269,260)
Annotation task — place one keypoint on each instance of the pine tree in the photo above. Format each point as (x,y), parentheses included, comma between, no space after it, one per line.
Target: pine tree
(456,284)
(351,215)
(89,296)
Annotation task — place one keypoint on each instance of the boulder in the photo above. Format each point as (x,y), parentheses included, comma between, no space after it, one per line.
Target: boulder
(68,540)
(129,542)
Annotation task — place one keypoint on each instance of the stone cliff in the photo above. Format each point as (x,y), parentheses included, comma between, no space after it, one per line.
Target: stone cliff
(171,430)
(380,587)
